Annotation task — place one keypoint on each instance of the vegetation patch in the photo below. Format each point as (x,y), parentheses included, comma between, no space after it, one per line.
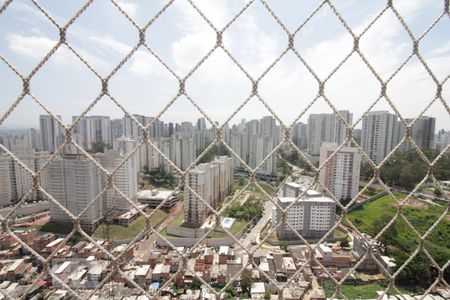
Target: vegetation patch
(406,168)
(361,291)
(159,177)
(400,241)
(119,232)
(250,210)
(237,226)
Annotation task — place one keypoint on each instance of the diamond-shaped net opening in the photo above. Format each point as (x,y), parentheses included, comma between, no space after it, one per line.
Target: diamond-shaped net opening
(183,195)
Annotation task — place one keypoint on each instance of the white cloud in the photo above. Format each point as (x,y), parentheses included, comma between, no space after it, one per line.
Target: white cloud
(129,7)
(30,46)
(197,38)
(36,47)
(144,64)
(111,43)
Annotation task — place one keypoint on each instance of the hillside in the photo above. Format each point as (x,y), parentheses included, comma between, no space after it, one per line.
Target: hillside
(401,240)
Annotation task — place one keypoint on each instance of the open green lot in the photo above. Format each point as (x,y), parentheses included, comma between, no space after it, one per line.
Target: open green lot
(359,291)
(401,240)
(55,228)
(118,232)
(237,226)
(178,221)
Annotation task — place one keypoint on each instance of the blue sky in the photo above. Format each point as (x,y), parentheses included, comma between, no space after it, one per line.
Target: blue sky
(103,36)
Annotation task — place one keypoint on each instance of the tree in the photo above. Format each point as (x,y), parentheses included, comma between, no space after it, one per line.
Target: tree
(294,158)
(214,151)
(241,180)
(246,282)
(196,284)
(407,168)
(160,177)
(249,210)
(366,172)
(389,236)
(283,167)
(99,147)
(345,243)
(437,192)
(417,272)
(267,294)
(230,291)
(284,246)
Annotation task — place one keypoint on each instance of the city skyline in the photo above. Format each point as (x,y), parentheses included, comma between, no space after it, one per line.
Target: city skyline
(234,121)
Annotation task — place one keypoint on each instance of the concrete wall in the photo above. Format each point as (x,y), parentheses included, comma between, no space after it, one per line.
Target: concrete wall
(186,232)
(368,200)
(188,242)
(330,239)
(212,242)
(26,209)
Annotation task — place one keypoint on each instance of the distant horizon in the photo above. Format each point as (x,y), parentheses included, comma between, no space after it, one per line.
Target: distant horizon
(208,125)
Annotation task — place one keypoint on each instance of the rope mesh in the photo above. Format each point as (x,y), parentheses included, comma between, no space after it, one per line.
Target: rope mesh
(116,263)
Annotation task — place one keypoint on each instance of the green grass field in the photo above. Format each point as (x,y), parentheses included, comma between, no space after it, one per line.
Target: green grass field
(359,291)
(237,226)
(421,218)
(421,215)
(55,228)
(118,232)
(178,221)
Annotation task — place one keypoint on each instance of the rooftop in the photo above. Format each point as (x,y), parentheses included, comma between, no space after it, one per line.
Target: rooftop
(55,242)
(142,270)
(154,194)
(258,288)
(15,265)
(62,267)
(313,199)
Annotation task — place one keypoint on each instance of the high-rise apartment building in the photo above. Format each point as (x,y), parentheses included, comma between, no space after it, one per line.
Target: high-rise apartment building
(22,141)
(312,215)
(93,129)
(184,151)
(212,182)
(442,140)
(116,129)
(340,175)
(254,142)
(380,134)
(74,181)
(32,140)
(300,135)
(16,182)
(225,165)
(423,132)
(201,124)
(202,181)
(259,148)
(131,128)
(6,193)
(186,127)
(125,179)
(52,135)
(326,128)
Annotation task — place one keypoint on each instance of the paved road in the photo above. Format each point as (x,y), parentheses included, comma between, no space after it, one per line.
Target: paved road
(255,232)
